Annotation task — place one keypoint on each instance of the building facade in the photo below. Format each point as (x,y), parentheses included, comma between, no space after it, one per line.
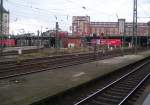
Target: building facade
(82,26)
(5,20)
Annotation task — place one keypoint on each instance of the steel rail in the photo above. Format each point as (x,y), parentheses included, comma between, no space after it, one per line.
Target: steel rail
(55,63)
(74,62)
(100,90)
(134,90)
(48,61)
(76,59)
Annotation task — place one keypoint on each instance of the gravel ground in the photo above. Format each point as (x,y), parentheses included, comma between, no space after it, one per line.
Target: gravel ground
(145,97)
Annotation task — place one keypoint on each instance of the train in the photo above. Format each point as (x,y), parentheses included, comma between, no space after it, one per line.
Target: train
(69,40)
(7,42)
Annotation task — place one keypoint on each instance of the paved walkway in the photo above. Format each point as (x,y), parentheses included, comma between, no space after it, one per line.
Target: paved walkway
(31,88)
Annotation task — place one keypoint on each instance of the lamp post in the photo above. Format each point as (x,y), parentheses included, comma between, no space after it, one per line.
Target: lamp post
(84,8)
(135,25)
(122,33)
(38,33)
(22,32)
(49,36)
(94,36)
(57,36)
(148,34)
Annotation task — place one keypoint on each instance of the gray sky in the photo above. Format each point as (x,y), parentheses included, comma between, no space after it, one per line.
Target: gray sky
(32,15)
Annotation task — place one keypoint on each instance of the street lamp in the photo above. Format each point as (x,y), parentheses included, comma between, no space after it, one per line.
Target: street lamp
(95,47)
(56,34)
(49,36)
(148,34)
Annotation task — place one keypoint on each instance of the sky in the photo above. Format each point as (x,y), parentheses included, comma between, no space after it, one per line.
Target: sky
(32,15)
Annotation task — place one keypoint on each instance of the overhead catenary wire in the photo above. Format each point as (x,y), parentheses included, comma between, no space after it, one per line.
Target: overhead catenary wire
(36,13)
(39,11)
(48,15)
(144,11)
(35,9)
(44,11)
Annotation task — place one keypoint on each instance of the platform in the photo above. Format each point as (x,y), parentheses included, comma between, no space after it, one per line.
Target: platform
(31,88)
(15,56)
(8,49)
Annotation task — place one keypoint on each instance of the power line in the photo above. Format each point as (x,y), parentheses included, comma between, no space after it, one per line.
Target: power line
(36,12)
(143,10)
(50,12)
(55,11)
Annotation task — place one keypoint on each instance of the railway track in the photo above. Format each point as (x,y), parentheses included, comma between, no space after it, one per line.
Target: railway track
(6,64)
(29,66)
(39,61)
(83,92)
(117,92)
(48,64)
(10,53)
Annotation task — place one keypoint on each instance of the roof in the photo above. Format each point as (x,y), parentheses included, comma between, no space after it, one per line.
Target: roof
(3,36)
(4,10)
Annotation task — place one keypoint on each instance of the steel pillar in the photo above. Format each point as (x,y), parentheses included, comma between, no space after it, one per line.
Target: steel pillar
(134,37)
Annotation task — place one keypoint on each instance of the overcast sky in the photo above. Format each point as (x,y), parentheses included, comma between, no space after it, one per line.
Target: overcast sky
(31,15)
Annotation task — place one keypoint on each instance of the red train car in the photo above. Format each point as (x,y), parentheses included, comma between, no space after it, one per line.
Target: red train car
(110,42)
(7,42)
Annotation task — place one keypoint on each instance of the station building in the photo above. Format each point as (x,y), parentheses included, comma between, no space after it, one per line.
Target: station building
(82,26)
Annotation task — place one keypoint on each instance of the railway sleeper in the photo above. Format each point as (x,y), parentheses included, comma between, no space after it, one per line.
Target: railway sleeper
(133,99)
(97,102)
(131,82)
(107,100)
(112,100)
(133,79)
(129,102)
(123,87)
(116,93)
(120,90)
(126,85)
(110,96)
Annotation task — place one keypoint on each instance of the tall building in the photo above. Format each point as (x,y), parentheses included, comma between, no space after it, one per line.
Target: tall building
(142,29)
(104,27)
(81,25)
(5,25)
